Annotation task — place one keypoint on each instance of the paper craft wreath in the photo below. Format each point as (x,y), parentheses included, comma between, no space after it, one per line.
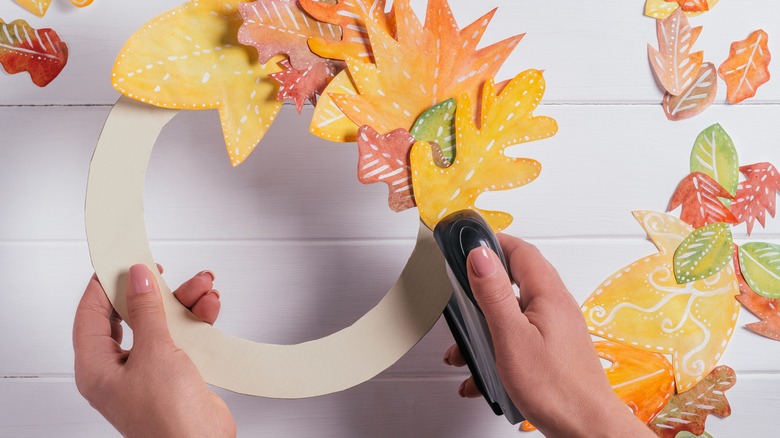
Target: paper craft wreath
(419,99)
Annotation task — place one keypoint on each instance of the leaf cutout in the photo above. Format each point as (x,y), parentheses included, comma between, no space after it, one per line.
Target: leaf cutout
(81,3)
(686,434)
(642,306)
(673,63)
(328,121)
(37,7)
(757,194)
(190,58)
(276,27)
(703,253)
(688,411)
(419,69)
(693,5)
(694,99)
(661,9)
(437,125)
(698,195)
(747,67)
(302,85)
(759,263)
(714,154)
(767,310)
(385,158)
(481,164)
(39,52)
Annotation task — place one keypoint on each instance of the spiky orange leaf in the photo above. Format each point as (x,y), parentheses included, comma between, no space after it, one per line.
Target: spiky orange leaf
(747,67)
(766,309)
(385,158)
(673,63)
(757,194)
(698,195)
(692,5)
(305,84)
(40,52)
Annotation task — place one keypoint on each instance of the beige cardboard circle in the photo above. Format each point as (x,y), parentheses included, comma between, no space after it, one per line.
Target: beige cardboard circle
(117,239)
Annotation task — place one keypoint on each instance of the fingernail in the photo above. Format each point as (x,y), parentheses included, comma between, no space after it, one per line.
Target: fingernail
(215,292)
(483,264)
(462,389)
(207,272)
(140,279)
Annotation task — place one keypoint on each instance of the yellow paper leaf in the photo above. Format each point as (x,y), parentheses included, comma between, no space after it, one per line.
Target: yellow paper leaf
(481,165)
(189,58)
(328,121)
(661,9)
(643,306)
(37,7)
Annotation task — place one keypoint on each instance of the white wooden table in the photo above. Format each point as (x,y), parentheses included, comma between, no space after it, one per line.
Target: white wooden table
(301,249)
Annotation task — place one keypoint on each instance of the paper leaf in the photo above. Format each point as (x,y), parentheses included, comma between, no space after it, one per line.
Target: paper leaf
(190,58)
(302,85)
(81,3)
(698,195)
(694,99)
(419,69)
(481,164)
(328,121)
(673,63)
(661,9)
(688,411)
(714,154)
(692,5)
(385,158)
(760,265)
(39,52)
(643,381)
(767,310)
(276,27)
(37,7)
(747,67)
(437,125)
(686,434)
(642,306)
(757,194)
(703,253)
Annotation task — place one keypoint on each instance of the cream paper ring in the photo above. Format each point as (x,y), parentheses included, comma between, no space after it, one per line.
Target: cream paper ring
(117,239)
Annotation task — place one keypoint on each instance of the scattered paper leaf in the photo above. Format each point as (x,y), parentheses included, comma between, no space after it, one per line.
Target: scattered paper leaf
(39,52)
(692,5)
(698,195)
(673,63)
(481,164)
(694,99)
(302,85)
(714,154)
(703,253)
(757,194)
(385,158)
(37,7)
(688,411)
(759,263)
(437,125)
(190,58)
(767,310)
(686,434)
(81,3)
(747,67)
(661,9)
(643,306)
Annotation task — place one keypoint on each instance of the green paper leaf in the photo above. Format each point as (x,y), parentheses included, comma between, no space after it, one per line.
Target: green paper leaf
(714,154)
(437,125)
(686,434)
(760,265)
(703,253)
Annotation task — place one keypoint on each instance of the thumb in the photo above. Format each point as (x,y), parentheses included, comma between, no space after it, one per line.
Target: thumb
(145,308)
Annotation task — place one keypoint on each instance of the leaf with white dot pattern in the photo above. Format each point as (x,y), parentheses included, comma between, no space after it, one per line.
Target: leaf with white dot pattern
(437,125)
(673,63)
(760,265)
(757,195)
(39,52)
(190,58)
(703,253)
(661,9)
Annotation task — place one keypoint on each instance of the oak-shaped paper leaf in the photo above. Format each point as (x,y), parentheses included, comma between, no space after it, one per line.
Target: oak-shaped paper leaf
(703,253)
(747,67)
(765,309)
(190,58)
(481,164)
(437,125)
(385,158)
(688,411)
(302,85)
(643,306)
(759,263)
(693,5)
(39,52)
(757,194)
(673,63)
(714,154)
(698,195)
(276,27)
(694,99)
(661,9)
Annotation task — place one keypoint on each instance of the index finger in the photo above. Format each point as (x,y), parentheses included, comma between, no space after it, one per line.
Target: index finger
(92,325)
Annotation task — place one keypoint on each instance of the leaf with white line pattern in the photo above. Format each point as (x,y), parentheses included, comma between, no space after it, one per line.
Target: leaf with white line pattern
(37,7)
(704,253)
(437,125)
(39,52)
(673,63)
(760,265)
(757,195)
(714,154)
(304,84)
(747,67)
(700,197)
(694,99)
(385,158)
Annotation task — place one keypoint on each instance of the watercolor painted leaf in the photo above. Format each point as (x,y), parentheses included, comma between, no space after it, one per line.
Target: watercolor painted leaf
(747,67)
(643,306)
(688,411)
(694,99)
(39,52)
(759,263)
(281,27)
(302,85)
(37,7)
(698,195)
(692,5)
(661,9)
(714,154)
(705,252)
(673,63)
(765,309)
(385,158)
(328,121)
(190,58)
(686,434)
(481,164)
(437,125)
(757,194)
(81,3)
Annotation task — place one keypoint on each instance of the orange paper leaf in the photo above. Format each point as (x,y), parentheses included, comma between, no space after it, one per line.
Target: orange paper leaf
(673,63)
(757,194)
(747,67)
(302,85)
(698,194)
(694,99)
(766,309)
(385,158)
(40,52)
(81,3)
(692,5)
(661,9)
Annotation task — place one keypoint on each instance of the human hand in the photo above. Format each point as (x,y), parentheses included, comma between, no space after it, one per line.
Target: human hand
(544,354)
(154,389)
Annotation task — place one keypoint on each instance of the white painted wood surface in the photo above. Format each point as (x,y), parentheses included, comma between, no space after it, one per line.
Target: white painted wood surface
(294,219)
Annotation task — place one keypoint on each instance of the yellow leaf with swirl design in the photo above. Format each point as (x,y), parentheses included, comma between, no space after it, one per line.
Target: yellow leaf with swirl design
(190,58)
(643,306)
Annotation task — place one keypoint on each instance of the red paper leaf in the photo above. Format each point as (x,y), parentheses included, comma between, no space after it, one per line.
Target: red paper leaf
(385,158)
(757,194)
(698,194)
(673,63)
(38,52)
(692,5)
(302,85)
(766,309)
(747,67)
